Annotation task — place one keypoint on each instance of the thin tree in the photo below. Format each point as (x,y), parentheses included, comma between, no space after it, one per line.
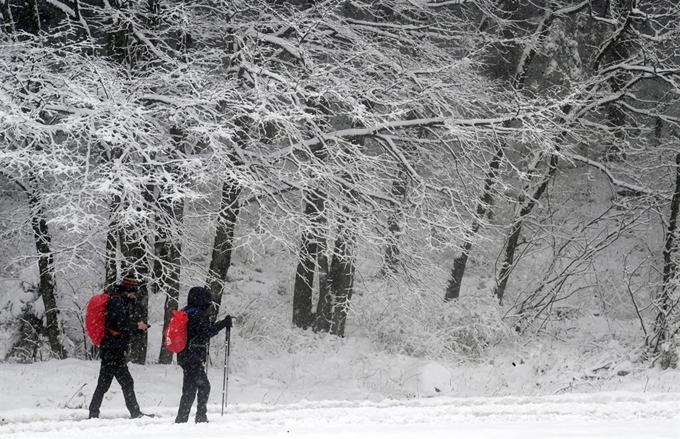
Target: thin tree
(667,302)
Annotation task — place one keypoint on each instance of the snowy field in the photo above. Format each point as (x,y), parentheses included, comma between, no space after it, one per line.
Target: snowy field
(619,415)
(49,400)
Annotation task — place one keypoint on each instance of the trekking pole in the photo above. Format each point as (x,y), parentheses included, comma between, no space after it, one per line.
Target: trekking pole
(225,379)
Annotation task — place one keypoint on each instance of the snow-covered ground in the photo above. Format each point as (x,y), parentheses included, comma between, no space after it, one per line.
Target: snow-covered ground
(339,391)
(609,415)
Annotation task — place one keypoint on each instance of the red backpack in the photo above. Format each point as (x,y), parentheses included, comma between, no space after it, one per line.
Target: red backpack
(176,333)
(95,318)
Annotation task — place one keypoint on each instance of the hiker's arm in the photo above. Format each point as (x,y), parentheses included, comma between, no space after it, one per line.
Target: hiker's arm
(204,330)
(220,325)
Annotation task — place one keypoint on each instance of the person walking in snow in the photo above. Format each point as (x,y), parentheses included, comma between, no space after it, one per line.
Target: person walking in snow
(119,327)
(195,384)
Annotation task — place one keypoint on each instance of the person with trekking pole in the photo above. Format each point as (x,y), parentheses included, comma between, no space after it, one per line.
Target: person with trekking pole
(192,359)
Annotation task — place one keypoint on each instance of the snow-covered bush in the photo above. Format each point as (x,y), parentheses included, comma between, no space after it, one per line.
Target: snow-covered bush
(21,314)
(670,354)
(265,325)
(421,324)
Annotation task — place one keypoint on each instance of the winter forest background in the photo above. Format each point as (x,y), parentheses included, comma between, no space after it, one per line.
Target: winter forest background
(442,179)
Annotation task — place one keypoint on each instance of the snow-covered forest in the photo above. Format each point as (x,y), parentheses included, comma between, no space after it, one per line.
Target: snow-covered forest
(424,180)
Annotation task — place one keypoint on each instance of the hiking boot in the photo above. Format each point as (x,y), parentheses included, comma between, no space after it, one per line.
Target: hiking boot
(201,419)
(141,415)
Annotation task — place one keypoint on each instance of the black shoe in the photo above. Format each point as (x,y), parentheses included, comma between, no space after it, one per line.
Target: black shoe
(93,416)
(201,419)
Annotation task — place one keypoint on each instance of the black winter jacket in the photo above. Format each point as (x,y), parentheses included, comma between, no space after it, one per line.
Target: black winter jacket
(119,326)
(199,329)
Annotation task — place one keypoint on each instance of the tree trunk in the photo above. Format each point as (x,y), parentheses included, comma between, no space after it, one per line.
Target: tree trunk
(460,263)
(120,40)
(312,247)
(134,246)
(167,267)
(223,243)
(7,19)
(110,265)
(324,306)
(615,52)
(341,280)
(341,273)
(304,281)
(140,342)
(309,251)
(43,240)
(168,243)
(393,223)
(511,246)
(134,255)
(666,301)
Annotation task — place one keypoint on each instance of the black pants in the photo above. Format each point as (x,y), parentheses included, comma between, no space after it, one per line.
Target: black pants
(195,385)
(113,366)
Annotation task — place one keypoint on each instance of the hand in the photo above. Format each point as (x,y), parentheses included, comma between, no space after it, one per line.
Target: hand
(142,326)
(228,321)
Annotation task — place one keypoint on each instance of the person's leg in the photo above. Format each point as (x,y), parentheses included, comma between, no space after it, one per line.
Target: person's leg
(203,394)
(103,385)
(124,378)
(188,393)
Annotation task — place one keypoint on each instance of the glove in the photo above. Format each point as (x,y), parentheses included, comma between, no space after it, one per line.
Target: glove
(228,322)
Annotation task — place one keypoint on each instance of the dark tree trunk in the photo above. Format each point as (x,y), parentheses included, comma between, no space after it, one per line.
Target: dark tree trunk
(135,248)
(43,240)
(336,282)
(341,280)
(7,19)
(309,252)
(120,41)
(304,280)
(460,263)
(110,266)
(666,302)
(511,246)
(134,256)
(614,52)
(223,243)
(658,130)
(341,271)
(167,267)
(324,306)
(111,273)
(392,251)
(168,241)
(312,247)
(140,341)
(616,119)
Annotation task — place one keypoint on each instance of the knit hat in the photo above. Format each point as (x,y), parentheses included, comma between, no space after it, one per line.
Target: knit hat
(129,283)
